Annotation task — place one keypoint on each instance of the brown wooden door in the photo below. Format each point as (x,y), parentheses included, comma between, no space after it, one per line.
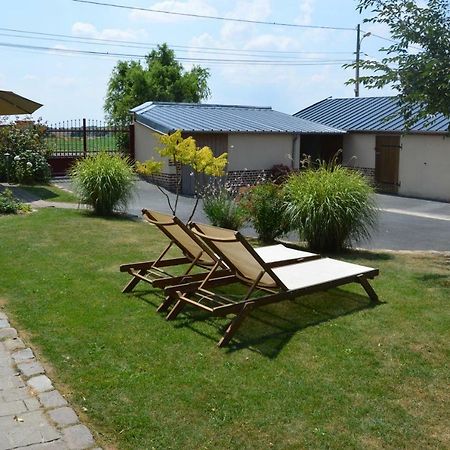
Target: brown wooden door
(387,156)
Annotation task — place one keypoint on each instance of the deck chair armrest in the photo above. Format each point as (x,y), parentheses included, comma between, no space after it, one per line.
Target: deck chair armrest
(149,264)
(286,262)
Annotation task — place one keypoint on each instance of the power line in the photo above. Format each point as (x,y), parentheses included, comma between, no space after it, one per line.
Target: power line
(202,16)
(144,44)
(134,44)
(307,62)
(389,39)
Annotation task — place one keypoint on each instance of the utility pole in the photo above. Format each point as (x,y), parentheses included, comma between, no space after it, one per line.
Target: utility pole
(358,58)
(359,39)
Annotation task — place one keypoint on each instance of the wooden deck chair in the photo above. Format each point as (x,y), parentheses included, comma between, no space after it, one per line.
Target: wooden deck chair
(194,250)
(195,253)
(278,281)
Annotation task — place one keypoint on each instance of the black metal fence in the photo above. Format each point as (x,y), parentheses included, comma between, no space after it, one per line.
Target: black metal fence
(77,138)
(73,139)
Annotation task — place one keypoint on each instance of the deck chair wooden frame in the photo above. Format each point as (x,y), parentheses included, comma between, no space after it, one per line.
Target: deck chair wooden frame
(194,250)
(265,278)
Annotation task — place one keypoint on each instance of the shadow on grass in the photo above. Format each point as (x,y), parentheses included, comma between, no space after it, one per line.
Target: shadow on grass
(116,216)
(40,192)
(269,328)
(435,279)
(363,254)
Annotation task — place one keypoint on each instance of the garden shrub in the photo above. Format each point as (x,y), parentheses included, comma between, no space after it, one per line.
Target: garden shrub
(23,153)
(222,209)
(330,206)
(29,167)
(10,205)
(104,181)
(279,173)
(266,209)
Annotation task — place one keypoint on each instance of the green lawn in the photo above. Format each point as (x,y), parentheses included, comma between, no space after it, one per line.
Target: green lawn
(50,193)
(325,371)
(66,144)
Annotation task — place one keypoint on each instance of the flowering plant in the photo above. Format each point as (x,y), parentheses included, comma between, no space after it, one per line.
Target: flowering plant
(29,167)
(23,152)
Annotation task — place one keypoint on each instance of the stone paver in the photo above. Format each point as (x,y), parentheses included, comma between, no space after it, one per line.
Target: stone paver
(63,416)
(7,333)
(78,437)
(30,368)
(52,399)
(33,415)
(14,344)
(23,355)
(26,429)
(41,383)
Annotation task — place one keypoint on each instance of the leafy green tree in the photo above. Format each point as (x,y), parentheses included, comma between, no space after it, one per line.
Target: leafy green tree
(160,78)
(417,64)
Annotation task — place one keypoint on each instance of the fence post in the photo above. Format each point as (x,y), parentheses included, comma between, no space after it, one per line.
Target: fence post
(84,138)
(131,142)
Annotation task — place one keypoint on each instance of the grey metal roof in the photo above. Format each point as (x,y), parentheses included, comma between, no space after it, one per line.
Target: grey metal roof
(368,114)
(206,118)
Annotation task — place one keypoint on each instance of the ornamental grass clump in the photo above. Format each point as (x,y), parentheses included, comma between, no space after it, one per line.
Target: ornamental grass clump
(222,208)
(104,181)
(266,209)
(330,206)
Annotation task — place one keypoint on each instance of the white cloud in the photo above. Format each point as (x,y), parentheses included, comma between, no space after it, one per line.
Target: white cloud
(306,8)
(271,42)
(84,29)
(251,9)
(30,77)
(251,37)
(185,7)
(244,9)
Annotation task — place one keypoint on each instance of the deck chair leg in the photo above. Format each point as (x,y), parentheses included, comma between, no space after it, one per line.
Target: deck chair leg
(164,306)
(133,282)
(369,289)
(179,305)
(235,324)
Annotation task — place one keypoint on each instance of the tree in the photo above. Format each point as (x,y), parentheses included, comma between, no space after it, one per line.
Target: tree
(160,78)
(184,151)
(417,64)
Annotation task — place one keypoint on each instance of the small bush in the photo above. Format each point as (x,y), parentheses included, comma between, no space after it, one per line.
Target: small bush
(29,167)
(330,206)
(104,181)
(222,209)
(267,211)
(10,205)
(23,153)
(279,173)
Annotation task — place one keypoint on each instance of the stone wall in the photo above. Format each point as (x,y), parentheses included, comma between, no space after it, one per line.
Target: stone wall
(368,172)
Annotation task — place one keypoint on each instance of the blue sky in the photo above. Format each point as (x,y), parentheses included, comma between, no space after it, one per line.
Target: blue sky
(74,86)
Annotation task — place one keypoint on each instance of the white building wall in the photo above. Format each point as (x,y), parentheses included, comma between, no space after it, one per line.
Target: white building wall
(425,167)
(259,151)
(145,141)
(359,150)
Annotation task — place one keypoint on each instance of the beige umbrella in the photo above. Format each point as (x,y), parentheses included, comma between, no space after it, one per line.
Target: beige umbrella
(11,104)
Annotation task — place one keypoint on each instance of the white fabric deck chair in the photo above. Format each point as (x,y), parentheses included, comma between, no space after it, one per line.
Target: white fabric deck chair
(278,281)
(195,254)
